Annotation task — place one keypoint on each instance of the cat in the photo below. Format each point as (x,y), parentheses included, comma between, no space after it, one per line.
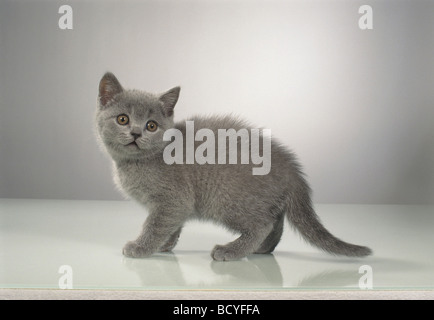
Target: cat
(130,126)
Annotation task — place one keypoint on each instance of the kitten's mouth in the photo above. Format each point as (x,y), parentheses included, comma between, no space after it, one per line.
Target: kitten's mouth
(132,144)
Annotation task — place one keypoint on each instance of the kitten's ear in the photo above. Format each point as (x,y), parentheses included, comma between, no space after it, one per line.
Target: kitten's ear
(109,86)
(169,100)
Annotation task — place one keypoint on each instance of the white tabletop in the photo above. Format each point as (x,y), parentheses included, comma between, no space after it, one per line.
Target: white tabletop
(38,237)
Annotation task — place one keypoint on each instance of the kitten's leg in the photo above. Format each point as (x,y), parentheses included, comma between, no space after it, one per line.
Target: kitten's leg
(171,243)
(160,225)
(246,244)
(273,238)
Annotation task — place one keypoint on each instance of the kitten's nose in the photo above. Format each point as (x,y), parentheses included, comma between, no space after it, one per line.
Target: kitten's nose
(136,132)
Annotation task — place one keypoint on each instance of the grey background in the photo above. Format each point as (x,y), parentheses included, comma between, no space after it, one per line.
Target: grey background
(356,106)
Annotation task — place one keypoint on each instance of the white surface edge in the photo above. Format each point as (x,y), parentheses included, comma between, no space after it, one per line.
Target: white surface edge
(48,294)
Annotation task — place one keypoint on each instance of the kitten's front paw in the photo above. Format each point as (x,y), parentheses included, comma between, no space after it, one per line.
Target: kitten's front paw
(225,253)
(134,250)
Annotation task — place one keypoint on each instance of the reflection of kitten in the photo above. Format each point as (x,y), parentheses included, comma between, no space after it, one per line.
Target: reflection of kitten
(131,125)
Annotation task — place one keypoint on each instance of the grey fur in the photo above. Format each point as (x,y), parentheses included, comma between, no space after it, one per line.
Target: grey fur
(227,194)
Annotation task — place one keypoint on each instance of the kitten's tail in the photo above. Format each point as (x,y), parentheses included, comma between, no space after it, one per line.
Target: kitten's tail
(302,216)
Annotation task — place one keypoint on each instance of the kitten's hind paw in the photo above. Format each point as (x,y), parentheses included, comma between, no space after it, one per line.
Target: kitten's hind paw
(134,250)
(226,253)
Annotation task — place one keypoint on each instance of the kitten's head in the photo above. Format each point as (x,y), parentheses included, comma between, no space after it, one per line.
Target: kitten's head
(131,123)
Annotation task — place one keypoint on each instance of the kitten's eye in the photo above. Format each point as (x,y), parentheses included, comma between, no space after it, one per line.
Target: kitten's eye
(123,119)
(151,126)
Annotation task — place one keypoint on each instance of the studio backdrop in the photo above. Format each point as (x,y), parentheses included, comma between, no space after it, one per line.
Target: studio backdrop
(347,85)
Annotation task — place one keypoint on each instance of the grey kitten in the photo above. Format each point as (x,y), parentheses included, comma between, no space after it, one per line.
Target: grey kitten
(131,125)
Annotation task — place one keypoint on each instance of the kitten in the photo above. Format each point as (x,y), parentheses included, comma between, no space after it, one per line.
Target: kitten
(131,125)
